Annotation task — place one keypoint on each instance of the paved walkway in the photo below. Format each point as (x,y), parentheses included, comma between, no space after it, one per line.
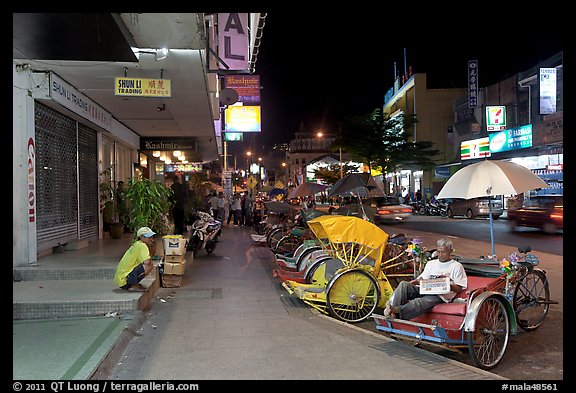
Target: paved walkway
(230,320)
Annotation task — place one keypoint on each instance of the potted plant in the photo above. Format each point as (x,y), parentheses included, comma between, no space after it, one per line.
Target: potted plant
(114,205)
(148,204)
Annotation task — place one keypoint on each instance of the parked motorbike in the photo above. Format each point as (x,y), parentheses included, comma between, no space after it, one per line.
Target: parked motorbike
(418,207)
(436,208)
(205,233)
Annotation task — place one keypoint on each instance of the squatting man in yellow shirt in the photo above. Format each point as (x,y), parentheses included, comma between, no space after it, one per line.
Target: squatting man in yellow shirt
(136,263)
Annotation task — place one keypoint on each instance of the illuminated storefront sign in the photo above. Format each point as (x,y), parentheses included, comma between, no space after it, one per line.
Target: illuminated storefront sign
(514,138)
(233,41)
(547,91)
(242,119)
(496,118)
(475,148)
(233,136)
(137,87)
(247,87)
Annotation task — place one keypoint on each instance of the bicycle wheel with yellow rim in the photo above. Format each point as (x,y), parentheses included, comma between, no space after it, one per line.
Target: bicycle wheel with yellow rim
(352,296)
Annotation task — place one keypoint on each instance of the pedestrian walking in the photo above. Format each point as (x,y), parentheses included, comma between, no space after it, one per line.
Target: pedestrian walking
(221,207)
(213,202)
(247,210)
(230,209)
(237,208)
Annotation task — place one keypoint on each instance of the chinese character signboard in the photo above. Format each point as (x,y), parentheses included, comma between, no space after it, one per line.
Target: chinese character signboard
(472,83)
(137,87)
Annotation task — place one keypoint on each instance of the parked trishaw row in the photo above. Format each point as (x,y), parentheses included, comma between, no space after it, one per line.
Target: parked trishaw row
(348,268)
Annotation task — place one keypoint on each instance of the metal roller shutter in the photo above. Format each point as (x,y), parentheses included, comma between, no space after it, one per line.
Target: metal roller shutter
(88,179)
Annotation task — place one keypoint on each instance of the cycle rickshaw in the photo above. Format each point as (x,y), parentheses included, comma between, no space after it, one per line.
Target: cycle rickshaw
(501,295)
(351,283)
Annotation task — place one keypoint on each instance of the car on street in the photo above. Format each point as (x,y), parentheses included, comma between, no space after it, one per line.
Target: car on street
(389,209)
(545,212)
(475,207)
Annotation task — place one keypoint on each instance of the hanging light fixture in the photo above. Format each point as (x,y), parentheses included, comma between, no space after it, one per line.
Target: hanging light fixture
(177,153)
(156,153)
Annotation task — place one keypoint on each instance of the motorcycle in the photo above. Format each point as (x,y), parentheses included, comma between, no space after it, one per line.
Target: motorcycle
(436,208)
(418,207)
(204,234)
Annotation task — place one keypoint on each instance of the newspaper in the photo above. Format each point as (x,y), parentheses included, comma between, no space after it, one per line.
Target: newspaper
(435,286)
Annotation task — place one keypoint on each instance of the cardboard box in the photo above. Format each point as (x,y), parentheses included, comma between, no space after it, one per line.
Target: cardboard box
(175,258)
(171,280)
(174,268)
(174,245)
(435,286)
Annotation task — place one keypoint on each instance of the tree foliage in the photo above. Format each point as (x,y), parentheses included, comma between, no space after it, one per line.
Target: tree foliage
(331,174)
(382,141)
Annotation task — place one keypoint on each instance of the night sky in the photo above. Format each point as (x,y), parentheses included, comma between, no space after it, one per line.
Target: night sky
(317,68)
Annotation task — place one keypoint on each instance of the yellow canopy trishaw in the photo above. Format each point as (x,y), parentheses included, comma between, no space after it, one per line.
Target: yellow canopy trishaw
(350,285)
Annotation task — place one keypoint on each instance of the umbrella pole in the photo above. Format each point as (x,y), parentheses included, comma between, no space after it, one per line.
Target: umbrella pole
(491,226)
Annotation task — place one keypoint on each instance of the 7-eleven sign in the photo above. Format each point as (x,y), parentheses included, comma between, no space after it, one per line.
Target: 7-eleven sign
(496,118)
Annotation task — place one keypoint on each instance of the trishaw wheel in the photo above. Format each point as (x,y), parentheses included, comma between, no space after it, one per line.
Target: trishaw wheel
(274,237)
(304,255)
(487,343)
(531,300)
(353,296)
(288,244)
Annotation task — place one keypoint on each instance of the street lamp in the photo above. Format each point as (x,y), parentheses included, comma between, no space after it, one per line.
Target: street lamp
(320,134)
(248,162)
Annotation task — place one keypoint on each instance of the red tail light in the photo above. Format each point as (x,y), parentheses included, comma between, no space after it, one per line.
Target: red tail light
(557,216)
(384,212)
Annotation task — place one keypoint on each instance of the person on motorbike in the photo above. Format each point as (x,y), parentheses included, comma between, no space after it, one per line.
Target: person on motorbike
(406,302)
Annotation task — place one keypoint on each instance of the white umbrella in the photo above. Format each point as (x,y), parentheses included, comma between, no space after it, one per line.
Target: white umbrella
(490,177)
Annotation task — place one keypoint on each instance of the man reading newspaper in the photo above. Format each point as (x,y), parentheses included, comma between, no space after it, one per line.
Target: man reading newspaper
(407,302)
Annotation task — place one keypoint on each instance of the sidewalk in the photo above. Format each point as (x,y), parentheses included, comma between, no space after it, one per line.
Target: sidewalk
(230,320)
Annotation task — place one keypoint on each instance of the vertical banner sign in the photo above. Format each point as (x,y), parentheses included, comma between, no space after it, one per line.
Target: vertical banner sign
(472,83)
(547,91)
(233,41)
(496,118)
(31,180)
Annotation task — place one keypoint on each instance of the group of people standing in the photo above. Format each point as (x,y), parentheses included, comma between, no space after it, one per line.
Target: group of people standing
(239,208)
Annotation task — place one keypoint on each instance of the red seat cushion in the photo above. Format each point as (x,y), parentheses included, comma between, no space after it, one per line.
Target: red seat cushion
(460,308)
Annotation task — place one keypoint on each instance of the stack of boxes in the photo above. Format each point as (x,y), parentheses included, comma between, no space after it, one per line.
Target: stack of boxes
(174,260)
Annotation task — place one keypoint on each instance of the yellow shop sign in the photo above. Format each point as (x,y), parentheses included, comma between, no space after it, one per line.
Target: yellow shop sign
(137,87)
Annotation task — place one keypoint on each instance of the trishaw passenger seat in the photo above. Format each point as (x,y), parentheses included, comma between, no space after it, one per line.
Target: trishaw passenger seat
(332,265)
(298,231)
(367,261)
(457,307)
